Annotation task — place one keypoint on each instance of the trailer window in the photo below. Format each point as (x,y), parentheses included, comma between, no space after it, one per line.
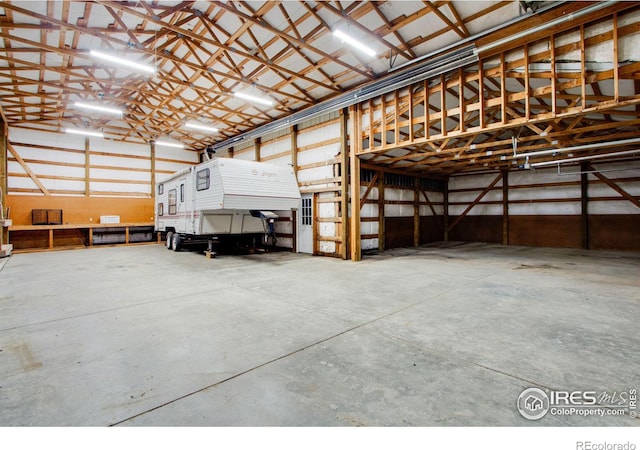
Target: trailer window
(173,201)
(202,180)
(160,209)
(181,193)
(160,189)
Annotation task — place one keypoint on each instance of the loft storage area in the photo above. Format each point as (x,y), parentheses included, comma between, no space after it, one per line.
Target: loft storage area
(408,210)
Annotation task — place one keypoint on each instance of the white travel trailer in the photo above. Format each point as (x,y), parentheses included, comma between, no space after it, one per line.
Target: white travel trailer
(224,199)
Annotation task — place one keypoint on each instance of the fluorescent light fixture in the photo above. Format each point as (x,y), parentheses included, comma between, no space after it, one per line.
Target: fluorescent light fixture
(354,43)
(201,127)
(81,132)
(253,98)
(98,108)
(585,158)
(169,144)
(596,145)
(122,61)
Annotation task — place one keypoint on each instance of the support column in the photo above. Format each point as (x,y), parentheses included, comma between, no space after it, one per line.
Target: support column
(355,141)
(257,144)
(230,151)
(505,207)
(445,211)
(3,163)
(153,169)
(4,231)
(381,233)
(87,168)
(293,131)
(584,204)
(416,212)
(344,182)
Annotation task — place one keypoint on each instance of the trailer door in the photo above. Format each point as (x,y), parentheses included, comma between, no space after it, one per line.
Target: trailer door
(182,210)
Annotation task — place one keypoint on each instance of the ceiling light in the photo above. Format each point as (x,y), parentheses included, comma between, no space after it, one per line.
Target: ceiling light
(253,98)
(81,132)
(354,43)
(593,146)
(198,126)
(98,108)
(585,158)
(169,144)
(122,61)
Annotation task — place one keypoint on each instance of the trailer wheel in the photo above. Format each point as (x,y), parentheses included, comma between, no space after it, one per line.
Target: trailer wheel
(176,242)
(169,240)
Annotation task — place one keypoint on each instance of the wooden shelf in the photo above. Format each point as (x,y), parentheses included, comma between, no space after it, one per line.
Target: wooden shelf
(75,226)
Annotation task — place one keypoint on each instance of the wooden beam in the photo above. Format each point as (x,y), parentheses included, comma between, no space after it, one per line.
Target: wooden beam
(27,169)
(505,207)
(256,148)
(584,204)
(416,212)
(87,167)
(433,210)
(315,223)
(372,184)
(445,213)
(4,178)
(152,149)
(355,143)
(293,132)
(381,231)
(475,202)
(615,187)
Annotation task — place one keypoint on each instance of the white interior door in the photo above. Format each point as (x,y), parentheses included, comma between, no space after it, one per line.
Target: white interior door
(305,224)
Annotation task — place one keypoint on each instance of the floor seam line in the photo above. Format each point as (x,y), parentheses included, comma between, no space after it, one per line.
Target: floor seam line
(279,358)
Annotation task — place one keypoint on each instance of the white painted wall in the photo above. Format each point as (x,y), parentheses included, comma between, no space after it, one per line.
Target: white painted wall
(545,176)
(115,167)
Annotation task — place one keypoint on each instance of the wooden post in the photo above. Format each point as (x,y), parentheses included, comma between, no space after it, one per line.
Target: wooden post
(505,207)
(445,211)
(461,101)
(293,132)
(153,169)
(426,109)
(257,143)
(584,204)
(344,181)
(503,88)
(416,212)
(87,168)
(554,74)
(230,151)
(3,165)
(381,235)
(294,230)
(443,105)
(616,58)
(315,224)
(355,141)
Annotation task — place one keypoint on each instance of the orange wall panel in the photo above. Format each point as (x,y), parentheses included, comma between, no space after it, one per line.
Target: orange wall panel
(81,210)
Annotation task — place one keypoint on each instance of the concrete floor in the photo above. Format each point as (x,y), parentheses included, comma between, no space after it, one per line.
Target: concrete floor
(434,336)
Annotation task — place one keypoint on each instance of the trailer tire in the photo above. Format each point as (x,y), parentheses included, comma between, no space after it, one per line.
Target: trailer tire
(176,242)
(169,240)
